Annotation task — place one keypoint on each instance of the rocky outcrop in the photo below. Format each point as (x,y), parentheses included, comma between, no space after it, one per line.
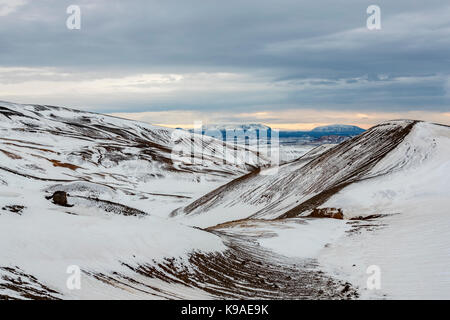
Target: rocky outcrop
(59,198)
(333,213)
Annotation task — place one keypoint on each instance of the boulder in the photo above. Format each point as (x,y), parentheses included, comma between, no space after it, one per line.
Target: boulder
(59,198)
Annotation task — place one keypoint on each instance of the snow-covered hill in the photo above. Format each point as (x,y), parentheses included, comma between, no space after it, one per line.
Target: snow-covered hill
(299,186)
(124,178)
(392,185)
(91,155)
(411,244)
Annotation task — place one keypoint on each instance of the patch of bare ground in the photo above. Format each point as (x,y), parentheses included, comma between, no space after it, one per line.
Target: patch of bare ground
(332,213)
(366,223)
(373,222)
(17,209)
(371,217)
(29,147)
(107,206)
(244,271)
(11,155)
(25,142)
(57,163)
(15,284)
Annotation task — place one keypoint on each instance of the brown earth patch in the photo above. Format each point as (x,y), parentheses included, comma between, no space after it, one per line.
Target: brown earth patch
(11,155)
(333,213)
(57,163)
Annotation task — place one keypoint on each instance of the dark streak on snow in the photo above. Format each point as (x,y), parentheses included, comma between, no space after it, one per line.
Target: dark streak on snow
(244,271)
(24,286)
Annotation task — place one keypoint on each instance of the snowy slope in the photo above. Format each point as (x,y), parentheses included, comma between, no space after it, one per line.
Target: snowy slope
(123,179)
(101,156)
(406,195)
(44,240)
(411,246)
(299,186)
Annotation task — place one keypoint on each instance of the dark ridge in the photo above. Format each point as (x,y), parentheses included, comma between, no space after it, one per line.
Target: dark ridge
(317,200)
(317,176)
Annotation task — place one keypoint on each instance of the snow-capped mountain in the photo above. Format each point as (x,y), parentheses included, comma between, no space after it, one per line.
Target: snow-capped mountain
(338,129)
(244,127)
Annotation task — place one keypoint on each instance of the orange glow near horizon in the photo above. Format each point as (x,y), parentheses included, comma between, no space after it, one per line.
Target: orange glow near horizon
(285,120)
(279,126)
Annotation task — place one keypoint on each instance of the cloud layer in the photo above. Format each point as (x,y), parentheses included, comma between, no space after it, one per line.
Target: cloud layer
(229,58)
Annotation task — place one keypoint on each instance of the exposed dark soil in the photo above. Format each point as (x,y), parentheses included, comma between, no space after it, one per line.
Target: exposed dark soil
(333,213)
(112,207)
(244,271)
(24,286)
(14,209)
(11,155)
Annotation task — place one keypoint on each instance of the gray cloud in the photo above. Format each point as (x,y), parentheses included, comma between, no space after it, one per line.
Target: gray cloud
(284,54)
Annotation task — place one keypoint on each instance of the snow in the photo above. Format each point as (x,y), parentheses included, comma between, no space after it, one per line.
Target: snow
(42,150)
(413,247)
(47,239)
(306,240)
(296,238)
(410,185)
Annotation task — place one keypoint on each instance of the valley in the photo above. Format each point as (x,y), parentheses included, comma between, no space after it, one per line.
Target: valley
(159,213)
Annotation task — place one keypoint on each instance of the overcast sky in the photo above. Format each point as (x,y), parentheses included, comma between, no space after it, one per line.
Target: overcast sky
(289,64)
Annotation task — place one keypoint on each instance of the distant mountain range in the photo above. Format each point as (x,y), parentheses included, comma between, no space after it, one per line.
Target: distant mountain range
(339,129)
(322,134)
